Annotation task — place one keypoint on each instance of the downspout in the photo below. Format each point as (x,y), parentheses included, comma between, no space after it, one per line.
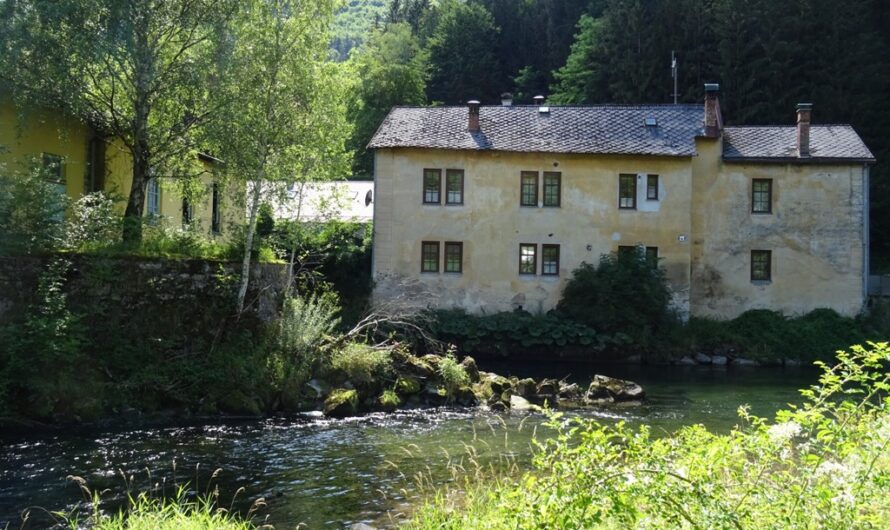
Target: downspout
(866,235)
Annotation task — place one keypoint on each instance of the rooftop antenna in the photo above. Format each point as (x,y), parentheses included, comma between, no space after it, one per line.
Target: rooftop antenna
(674,73)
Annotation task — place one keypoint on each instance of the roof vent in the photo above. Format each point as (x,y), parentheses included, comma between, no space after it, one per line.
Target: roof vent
(539,100)
(507,99)
(544,110)
(651,121)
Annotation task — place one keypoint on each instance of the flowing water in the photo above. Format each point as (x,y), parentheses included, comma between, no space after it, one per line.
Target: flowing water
(333,473)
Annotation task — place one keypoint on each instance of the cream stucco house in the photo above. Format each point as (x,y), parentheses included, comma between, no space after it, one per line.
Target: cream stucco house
(490,208)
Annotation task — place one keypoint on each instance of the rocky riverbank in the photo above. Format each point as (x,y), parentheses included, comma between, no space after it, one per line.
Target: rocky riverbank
(434,380)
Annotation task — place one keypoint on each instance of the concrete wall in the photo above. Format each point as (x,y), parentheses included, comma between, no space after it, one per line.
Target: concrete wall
(702,225)
(491,224)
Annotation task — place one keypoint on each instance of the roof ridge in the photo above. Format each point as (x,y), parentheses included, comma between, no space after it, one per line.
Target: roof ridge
(785,125)
(558,105)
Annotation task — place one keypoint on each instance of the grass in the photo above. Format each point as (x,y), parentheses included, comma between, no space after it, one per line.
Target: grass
(360,363)
(825,464)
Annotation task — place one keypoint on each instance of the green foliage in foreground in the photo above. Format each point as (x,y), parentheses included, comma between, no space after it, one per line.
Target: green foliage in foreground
(825,464)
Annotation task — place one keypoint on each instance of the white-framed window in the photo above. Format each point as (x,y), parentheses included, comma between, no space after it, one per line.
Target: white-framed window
(153,198)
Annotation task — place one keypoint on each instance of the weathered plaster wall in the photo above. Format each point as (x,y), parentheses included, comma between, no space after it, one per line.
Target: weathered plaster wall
(815,233)
(491,224)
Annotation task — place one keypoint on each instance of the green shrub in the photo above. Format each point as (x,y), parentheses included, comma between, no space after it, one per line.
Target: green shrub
(32,212)
(93,221)
(454,376)
(824,464)
(361,363)
(303,327)
(505,333)
(625,294)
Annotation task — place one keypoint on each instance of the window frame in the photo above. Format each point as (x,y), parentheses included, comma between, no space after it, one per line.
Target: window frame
(544,249)
(769,195)
(423,258)
(522,176)
(423,191)
(632,178)
(215,209)
(652,184)
(652,255)
(558,176)
(51,159)
(534,255)
(768,277)
(448,201)
(460,257)
(188,212)
(153,189)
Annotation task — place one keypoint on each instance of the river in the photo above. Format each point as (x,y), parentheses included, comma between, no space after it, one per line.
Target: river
(333,473)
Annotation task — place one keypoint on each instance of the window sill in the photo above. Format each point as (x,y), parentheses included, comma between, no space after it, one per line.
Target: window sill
(761,282)
(761,213)
(454,204)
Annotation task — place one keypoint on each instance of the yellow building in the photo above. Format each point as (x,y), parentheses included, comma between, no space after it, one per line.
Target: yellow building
(490,208)
(82,161)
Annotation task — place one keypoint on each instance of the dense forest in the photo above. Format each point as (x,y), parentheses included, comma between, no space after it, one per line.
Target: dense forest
(766,55)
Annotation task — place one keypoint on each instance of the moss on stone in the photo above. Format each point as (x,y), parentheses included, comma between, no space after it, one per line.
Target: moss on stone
(407,386)
(341,402)
(389,400)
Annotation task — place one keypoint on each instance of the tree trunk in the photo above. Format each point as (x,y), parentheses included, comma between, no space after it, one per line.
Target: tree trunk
(248,243)
(144,71)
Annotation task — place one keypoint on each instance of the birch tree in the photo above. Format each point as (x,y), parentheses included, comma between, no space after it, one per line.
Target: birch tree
(285,118)
(138,71)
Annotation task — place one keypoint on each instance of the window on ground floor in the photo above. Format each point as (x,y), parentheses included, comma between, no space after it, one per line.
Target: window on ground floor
(761,265)
(429,256)
(528,258)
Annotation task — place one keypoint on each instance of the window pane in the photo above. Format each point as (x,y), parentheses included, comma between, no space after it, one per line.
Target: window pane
(652,255)
(454,186)
(429,257)
(432,185)
(761,196)
(550,260)
(528,259)
(529,189)
(761,267)
(454,257)
(552,182)
(627,191)
(652,187)
(52,167)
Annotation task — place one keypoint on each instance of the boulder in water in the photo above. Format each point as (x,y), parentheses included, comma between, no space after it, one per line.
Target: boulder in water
(607,389)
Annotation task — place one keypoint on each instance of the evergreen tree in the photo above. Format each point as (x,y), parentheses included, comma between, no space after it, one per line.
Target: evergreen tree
(464,55)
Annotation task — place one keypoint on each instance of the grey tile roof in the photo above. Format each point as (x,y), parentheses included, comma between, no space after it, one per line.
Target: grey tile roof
(608,129)
(779,143)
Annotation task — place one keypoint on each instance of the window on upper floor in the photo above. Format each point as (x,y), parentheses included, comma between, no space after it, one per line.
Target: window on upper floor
(651,187)
(762,196)
(529,189)
(432,186)
(761,265)
(454,186)
(528,258)
(52,167)
(550,260)
(429,256)
(552,188)
(454,257)
(627,191)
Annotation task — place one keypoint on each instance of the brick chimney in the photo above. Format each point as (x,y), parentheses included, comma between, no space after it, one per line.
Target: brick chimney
(474,116)
(804,114)
(713,117)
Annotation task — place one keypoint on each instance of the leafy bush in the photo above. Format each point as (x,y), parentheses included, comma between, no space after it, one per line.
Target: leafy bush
(824,464)
(454,376)
(93,220)
(625,294)
(32,211)
(504,333)
(362,364)
(304,325)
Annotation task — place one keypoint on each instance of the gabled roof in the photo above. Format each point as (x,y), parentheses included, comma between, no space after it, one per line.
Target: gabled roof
(601,129)
(828,143)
